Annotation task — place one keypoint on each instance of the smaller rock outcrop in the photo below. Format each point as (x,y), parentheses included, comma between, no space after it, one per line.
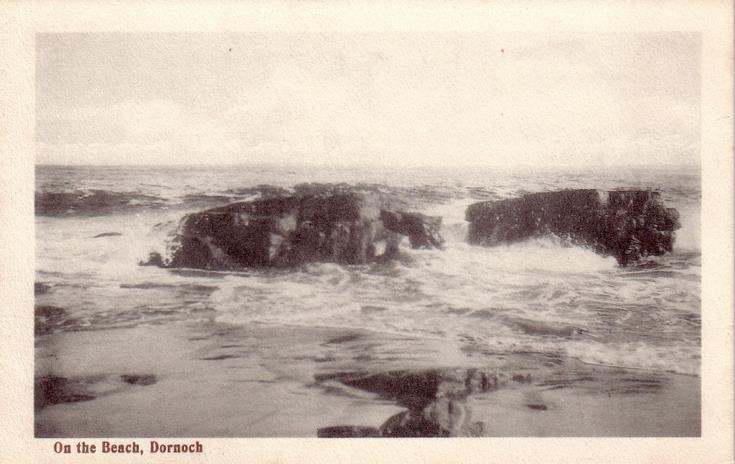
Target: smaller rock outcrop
(108,234)
(348,431)
(628,225)
(436,400)
(422,230)
(54,389)
(139,379)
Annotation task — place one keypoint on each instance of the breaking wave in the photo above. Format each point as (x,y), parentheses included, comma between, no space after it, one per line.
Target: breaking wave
(92,202)
(539,295)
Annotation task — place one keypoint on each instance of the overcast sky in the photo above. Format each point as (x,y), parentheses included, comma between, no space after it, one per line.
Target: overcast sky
(414,98)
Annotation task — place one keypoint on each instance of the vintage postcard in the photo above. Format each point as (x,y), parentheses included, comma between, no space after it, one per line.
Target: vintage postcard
(411,232)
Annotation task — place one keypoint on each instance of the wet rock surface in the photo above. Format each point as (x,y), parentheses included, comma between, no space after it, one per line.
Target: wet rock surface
(628,225)
(53,389)
(422,230)
(316,224)
(108,234)
(348,431)
(444,402)
(436,400)
(133,379)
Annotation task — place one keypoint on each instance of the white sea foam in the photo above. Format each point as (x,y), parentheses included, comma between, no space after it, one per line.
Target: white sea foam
(688,238)
(515,298)
(538,295)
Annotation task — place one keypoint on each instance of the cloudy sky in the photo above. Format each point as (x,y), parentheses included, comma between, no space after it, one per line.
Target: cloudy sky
(413,98)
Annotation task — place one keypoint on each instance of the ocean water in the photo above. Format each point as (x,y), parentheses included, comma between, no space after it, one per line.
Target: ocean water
(539,296)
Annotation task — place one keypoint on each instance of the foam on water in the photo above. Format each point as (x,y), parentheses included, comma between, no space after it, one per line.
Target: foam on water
(514,298)
(538,295)
(688,238)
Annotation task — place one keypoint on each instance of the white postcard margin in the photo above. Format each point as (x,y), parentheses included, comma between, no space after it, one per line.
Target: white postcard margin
(20,21)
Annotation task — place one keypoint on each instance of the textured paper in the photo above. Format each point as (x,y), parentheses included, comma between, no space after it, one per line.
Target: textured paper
(19,22)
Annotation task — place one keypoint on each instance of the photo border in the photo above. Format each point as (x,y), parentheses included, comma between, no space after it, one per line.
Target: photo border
(20,21)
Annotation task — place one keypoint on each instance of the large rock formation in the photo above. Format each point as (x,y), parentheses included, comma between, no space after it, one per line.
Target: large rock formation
(314,225)
(628,225)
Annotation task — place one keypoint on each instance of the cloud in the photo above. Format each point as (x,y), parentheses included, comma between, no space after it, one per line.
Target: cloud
(155,131)
(403,99)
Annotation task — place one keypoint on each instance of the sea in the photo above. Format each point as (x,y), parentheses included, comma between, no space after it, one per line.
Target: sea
(95,224)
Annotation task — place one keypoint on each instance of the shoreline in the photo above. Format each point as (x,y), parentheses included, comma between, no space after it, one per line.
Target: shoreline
(220,380)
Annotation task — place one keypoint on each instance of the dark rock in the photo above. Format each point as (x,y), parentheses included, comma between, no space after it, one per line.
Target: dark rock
(108,234)
(416,389)
(154,259)
(628,225)
(317,224)
(436,399)
(409,424)
(144,379)
(278,231)
(219,357)
(52,389)
(347,431)
(422,230)
(344,339)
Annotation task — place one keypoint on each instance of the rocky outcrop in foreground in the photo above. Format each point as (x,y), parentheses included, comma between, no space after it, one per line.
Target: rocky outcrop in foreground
(312,225)
(628,225)
(53,389)
(436,401)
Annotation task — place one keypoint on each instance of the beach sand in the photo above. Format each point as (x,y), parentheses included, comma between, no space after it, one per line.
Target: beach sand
(218,380)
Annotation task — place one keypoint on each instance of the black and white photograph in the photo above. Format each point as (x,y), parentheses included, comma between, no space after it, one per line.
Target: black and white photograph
(371,237)
(254,235)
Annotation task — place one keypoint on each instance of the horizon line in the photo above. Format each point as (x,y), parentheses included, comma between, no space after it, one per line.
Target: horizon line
(376,165)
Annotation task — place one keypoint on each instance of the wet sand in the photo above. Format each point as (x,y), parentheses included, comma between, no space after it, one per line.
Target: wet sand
(216,380)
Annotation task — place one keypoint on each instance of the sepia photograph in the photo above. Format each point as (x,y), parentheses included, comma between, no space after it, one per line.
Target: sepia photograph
(256,235)
(419,232)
